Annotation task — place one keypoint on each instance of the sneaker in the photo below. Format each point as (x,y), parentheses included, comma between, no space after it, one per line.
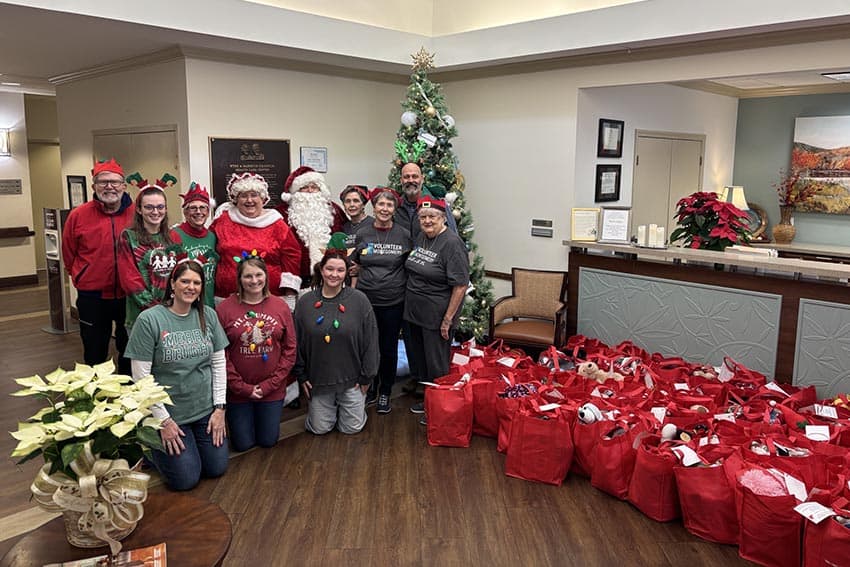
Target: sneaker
(371,398)
(418,407)
(423,420)
(384,404)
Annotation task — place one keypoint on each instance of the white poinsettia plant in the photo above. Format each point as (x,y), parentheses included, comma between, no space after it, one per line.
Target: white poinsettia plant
(89,404)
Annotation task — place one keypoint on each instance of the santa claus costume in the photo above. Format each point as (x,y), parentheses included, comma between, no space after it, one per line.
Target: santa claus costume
(307,207)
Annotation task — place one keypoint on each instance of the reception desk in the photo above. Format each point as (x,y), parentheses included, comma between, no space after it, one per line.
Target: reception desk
(788,318)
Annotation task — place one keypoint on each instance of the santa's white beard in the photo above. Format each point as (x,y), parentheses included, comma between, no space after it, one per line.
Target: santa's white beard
(311,216)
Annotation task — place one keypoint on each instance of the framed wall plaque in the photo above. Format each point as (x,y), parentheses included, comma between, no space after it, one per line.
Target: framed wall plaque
(584,224)
(607,183)
(610,139)
(77,193)
(269,158)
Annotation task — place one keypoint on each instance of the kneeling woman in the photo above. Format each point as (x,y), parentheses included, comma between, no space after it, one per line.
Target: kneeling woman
(182,344)
(337,346)
(260,356)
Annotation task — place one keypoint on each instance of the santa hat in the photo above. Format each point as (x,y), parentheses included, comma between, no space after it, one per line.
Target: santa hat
(359,189)
(196,192)
(431,203)
(104,166)
(378,191)
(247,182)
(302,177)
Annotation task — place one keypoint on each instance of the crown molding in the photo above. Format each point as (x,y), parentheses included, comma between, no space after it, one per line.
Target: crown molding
(350,72)
(716,88)
(629,53)
(161,56)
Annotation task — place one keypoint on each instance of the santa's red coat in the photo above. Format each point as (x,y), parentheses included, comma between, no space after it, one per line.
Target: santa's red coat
(339,219)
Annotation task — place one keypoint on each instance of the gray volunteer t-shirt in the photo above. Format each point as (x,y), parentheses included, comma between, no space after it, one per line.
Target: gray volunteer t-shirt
(381,255)
(434,267)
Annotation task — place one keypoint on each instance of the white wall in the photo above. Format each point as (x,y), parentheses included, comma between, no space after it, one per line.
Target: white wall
(518,136)
(17,256)
(356,120)
(153,95)
(653,107)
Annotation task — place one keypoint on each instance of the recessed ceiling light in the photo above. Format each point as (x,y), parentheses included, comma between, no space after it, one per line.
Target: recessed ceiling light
(11,84)
(840,76)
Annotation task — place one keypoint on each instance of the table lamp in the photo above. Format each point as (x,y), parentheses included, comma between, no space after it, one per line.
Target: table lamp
(734,194)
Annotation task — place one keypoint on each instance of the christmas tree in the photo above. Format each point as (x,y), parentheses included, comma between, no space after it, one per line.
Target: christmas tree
(425,138)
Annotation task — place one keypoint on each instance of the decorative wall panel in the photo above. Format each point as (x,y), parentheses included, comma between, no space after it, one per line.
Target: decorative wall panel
(823,347)
(700,323)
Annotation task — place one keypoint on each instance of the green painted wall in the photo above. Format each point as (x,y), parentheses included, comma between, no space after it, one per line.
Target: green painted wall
(763,145)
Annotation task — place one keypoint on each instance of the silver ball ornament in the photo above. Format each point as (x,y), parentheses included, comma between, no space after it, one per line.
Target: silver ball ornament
(449,120)
(456,214)
(408,118)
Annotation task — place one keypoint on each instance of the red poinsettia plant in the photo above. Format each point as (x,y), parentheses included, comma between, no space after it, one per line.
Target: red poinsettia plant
(708,223)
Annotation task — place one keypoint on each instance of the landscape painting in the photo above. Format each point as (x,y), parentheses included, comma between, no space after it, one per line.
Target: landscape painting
(821,154)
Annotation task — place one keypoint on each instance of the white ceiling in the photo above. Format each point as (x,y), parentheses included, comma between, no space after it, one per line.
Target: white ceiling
(37,44)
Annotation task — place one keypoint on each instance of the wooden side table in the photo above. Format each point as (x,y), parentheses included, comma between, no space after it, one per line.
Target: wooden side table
(196,533)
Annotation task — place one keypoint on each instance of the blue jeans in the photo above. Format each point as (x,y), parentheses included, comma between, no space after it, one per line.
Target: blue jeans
(254,423)
(389,324)
(199,458)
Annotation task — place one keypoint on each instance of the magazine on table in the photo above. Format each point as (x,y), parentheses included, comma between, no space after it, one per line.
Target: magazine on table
(153,556)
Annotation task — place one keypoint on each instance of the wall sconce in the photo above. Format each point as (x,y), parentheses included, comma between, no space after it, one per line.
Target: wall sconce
(5,142)
(734,194)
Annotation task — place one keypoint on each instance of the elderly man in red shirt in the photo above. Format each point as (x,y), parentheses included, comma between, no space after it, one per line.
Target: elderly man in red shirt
(90,254)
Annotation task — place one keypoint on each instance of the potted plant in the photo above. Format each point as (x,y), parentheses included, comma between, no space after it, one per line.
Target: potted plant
(792,191)
(95,426)
(708,223)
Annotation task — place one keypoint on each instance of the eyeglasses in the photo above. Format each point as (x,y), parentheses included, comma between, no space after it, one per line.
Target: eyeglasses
(248,195)
(152,208)
(109,183)
(197,209)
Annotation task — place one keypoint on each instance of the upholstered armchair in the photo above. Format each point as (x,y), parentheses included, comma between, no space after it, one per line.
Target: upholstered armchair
(534,315)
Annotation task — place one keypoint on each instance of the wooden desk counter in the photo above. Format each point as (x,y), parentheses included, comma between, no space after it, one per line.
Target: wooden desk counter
(196,533)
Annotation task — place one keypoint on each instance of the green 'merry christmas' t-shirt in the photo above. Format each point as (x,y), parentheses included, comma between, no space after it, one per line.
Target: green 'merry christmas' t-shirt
(180,356)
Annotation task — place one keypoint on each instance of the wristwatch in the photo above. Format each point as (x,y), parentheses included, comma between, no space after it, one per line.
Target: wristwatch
(220,406)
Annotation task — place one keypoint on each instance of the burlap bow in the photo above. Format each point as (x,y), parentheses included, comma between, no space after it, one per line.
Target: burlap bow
(108,495)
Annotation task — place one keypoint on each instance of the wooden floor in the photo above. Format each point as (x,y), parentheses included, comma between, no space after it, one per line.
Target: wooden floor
(383,497)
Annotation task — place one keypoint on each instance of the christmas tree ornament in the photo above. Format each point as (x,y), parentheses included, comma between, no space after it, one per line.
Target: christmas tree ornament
(422,60)
(456,214)
(431,111)
(408,118)
(449,121)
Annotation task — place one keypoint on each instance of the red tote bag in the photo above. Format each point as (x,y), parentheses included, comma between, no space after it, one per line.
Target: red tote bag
(614,459)
(653,486)
(449,411)
(541,447)
(487,383)
(770,530)
(828,543)
(707,503)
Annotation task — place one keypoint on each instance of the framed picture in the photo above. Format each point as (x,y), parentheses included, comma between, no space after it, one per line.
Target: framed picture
(317,158)
(77,193)
(610,139)
(607,182)
(269,158)
(584,224)
(614,227)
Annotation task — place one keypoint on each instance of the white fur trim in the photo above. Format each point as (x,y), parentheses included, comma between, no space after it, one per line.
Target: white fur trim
(285,197)
(310,177)
(268,218)
(290,280)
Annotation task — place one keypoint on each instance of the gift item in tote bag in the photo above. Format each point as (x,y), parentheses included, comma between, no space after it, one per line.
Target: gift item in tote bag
(653,486)
(827,542)
(507,404)
(541,447)
(449,411)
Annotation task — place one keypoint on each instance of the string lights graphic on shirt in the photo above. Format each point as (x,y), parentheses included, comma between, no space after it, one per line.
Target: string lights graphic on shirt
(256,337)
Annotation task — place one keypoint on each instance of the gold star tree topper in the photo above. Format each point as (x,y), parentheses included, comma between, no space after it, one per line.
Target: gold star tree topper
(422,60)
